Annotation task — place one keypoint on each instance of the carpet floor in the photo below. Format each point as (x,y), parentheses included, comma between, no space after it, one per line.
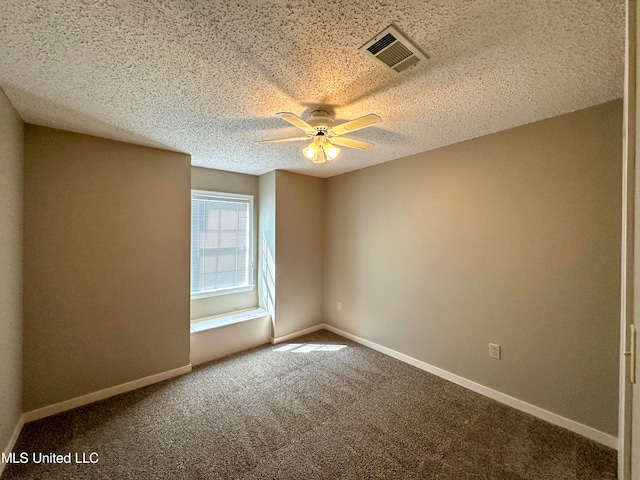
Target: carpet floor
(322,407)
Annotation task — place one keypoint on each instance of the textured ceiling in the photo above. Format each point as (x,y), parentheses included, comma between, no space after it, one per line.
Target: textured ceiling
(207,77)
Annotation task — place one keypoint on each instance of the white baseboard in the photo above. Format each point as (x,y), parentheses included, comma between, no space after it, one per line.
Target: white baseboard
(12,442)
(576,427)
(102,394)
(285,338)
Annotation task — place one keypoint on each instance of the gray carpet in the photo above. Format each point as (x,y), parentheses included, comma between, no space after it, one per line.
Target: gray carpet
(325,414)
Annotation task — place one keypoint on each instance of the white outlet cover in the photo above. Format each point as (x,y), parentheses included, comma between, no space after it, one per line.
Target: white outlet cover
(494,351)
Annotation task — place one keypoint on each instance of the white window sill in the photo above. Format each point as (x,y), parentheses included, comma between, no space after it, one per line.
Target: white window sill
(217,321)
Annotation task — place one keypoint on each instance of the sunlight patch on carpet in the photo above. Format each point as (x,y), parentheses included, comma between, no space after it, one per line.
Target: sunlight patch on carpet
(309,347)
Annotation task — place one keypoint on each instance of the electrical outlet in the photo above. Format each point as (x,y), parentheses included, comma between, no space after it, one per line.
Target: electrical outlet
(339,305)
(494,351)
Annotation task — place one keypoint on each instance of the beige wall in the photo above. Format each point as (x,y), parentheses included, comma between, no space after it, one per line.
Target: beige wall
(227,182)
(11,171)
(106,264)
(299,240)
(512,238)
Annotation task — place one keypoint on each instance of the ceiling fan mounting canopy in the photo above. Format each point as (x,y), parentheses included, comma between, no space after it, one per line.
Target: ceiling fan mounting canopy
(326,135)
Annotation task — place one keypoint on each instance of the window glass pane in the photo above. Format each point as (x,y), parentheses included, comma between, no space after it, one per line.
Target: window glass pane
(221,238)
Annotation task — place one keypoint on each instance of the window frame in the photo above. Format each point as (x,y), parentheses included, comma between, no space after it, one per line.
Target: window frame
(238,198)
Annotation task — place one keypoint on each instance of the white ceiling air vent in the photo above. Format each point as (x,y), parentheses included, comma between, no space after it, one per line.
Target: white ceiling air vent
(393,49)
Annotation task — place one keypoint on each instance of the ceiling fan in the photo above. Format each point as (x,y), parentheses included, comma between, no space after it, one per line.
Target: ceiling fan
(326,136)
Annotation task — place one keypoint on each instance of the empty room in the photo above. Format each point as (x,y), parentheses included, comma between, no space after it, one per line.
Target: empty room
(246,239)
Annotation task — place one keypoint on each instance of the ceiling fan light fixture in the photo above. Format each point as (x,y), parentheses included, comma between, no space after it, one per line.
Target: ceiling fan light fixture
(320,157)
(311,151)
(320,150)
(331,151)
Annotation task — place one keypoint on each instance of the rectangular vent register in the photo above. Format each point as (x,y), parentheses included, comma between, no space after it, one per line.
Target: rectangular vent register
(394,50)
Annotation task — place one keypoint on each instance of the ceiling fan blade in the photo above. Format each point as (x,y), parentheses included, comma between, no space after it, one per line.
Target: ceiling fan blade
(280,140)
(293,119)
(353,125)
(351,143)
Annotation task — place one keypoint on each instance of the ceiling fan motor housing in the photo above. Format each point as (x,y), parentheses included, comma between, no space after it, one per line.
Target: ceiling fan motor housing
(320,120)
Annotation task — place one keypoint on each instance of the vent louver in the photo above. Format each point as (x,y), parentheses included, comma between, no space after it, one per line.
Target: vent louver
(393,49)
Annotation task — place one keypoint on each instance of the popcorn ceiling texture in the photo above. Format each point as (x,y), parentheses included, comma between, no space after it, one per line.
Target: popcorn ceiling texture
(206,78)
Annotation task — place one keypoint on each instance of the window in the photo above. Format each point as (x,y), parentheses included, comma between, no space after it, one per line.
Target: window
(221,240)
